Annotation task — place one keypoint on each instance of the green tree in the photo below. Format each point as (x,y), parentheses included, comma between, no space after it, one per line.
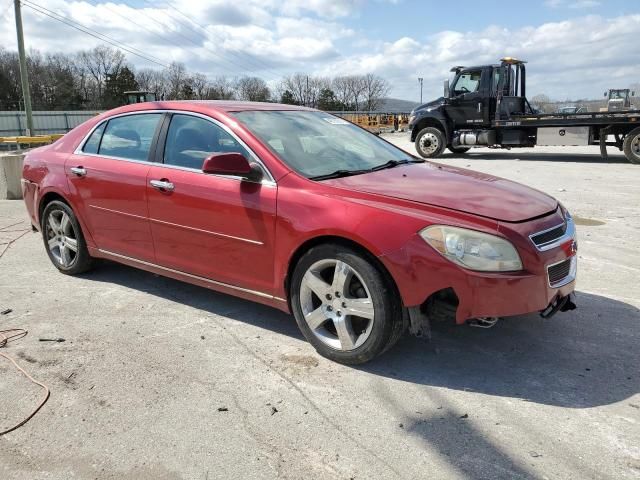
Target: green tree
(327,100)
(288,98)
(116,84)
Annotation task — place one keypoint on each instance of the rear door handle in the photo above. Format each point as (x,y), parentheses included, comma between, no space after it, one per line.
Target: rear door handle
(79,171)
(165,185)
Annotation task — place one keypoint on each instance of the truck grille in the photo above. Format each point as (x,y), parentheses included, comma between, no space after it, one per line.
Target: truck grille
(562,272)
(543,238)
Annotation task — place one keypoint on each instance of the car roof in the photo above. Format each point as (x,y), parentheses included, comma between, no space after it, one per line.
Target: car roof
(204,106)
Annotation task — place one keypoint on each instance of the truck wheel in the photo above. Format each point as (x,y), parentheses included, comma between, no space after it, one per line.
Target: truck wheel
(430,142)
(632,146)
(459,150)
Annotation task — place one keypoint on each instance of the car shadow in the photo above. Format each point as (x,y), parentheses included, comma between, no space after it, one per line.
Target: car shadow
(533,156)
(579,359)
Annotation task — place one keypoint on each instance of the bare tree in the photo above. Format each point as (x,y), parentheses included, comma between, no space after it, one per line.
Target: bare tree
(97,64)
(542,102)
(357,88)
(152,80)
(340,87)
(177,79)
(200,86)
(253,89)
(221,88)
(375,89)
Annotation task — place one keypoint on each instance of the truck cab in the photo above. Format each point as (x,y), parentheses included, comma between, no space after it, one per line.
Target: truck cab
(487,106)
(472,101)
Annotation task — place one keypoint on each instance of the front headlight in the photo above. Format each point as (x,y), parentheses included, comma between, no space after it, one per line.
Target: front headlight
(473,250)
(412,117)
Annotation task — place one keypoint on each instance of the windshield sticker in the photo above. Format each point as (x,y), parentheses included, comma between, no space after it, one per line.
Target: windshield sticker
(335,121)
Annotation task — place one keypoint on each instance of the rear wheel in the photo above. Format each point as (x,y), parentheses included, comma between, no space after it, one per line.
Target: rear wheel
(63,239)
(344,305)
(458,150)
(631,146)
(430,142)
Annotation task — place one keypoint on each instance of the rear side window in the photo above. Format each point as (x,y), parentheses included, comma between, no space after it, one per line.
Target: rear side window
(192,139)
(92,144)
(129,137)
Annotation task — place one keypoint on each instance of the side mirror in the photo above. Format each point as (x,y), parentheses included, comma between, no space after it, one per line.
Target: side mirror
(232,164)
(447,89)
(605,94)
(633,94)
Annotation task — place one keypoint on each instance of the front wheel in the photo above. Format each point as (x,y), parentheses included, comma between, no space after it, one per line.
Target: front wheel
(631,146)
(430,142)
(344,305)
(63,239)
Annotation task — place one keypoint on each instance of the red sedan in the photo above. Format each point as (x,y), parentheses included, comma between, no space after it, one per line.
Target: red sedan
(303,211)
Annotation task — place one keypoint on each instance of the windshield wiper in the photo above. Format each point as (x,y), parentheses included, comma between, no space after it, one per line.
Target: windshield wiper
(338,174)
(394,163)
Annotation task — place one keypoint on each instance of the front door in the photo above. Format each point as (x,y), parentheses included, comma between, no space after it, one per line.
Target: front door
(108,179)
(212,226)
(467,103)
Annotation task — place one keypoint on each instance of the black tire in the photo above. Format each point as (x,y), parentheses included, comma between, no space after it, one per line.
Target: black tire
(387,324)
(458,150)
(71,263)
(430,142)
(631,146)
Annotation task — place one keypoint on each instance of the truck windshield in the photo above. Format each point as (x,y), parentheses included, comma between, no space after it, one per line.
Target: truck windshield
(316,144)
(467,82)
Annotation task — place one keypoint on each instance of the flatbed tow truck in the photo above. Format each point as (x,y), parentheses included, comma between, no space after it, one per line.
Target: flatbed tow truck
(486,106)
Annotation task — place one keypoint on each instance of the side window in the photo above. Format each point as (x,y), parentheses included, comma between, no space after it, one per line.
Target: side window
(92,144)
(192,139)
(130,137)
(467,82)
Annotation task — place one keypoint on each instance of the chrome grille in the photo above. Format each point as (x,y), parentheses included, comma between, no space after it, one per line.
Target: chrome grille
(562,272)
(542,238)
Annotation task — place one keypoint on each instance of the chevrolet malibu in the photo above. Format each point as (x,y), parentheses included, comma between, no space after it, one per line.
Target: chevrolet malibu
(302,211)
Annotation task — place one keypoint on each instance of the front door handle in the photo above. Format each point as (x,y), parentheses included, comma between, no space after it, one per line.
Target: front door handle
(479,107)
(79,171)
(165,185)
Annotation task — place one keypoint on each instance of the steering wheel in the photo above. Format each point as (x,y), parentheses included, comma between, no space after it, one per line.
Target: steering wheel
(464,89)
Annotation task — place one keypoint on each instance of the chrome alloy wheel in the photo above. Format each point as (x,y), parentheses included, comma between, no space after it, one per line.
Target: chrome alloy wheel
(336,304)
(429,143)
(61,238)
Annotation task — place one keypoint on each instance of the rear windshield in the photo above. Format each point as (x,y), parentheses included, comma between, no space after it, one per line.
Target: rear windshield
(317,143)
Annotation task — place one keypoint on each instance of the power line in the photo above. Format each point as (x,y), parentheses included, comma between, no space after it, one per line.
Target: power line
(191,40)
(248,58)
(100,36)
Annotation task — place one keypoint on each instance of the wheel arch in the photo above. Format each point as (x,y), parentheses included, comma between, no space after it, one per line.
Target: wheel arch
(431,121)
(51,195)
(333,240)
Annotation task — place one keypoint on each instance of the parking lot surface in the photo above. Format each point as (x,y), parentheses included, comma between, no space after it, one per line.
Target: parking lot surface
(157,379)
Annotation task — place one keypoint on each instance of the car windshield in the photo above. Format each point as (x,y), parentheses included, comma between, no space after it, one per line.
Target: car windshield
(318,144)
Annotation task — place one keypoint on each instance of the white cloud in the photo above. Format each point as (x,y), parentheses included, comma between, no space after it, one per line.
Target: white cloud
(574,58)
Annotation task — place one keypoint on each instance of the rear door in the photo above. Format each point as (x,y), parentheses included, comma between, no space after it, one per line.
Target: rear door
(107,176)
(217,227)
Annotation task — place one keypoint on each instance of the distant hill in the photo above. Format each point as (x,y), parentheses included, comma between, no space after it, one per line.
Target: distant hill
(396,105)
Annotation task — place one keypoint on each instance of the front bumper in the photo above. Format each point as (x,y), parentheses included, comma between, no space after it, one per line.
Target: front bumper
(421,272)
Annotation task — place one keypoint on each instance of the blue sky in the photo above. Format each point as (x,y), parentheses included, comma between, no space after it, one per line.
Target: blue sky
(418,18)
(575,48)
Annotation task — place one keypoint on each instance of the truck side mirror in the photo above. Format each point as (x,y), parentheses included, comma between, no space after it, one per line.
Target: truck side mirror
(633,94)
(605,94)
(447,90)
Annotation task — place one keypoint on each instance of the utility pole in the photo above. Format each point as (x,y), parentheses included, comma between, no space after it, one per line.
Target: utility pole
(420,80)
(24,76)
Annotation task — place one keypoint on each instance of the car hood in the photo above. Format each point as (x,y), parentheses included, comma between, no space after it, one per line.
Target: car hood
(454,188)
